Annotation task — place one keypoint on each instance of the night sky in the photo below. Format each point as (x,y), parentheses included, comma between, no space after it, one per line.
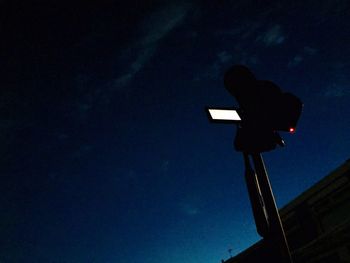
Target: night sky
(107,154)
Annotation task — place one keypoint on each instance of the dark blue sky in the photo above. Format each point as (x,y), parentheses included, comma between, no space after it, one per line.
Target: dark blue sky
(106,152)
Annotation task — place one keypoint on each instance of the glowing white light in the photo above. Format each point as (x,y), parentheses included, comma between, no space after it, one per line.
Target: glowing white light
(224,115)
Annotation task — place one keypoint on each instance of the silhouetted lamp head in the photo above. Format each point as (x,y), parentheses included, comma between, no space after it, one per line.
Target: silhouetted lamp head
(239,81)
(264,110)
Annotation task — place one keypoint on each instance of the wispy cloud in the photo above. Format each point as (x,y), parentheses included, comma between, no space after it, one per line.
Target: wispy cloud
(141,49)
(223,60)
(189,209)
(304,54)
(272,37)
(296,60)
(336,91)
(309,50)
(224,57)
(152,30)
(243,31)
(191,205)
(162,21)
(143,56)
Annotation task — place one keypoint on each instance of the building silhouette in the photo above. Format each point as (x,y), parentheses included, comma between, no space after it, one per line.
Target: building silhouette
(316,223)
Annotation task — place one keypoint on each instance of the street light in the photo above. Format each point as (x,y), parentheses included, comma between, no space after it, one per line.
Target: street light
(264,110)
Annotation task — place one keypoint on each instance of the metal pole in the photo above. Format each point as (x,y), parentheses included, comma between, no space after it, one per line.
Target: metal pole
(276,238)
(256,200)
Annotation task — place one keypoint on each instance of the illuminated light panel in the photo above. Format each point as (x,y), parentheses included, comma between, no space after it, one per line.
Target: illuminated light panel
(224,115)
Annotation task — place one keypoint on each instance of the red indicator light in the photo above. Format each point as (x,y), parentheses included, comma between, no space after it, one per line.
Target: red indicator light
(291,130)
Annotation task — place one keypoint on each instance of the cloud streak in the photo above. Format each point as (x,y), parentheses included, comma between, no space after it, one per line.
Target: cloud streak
(272,37)
(336,91)
(152,31)
(296,60)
